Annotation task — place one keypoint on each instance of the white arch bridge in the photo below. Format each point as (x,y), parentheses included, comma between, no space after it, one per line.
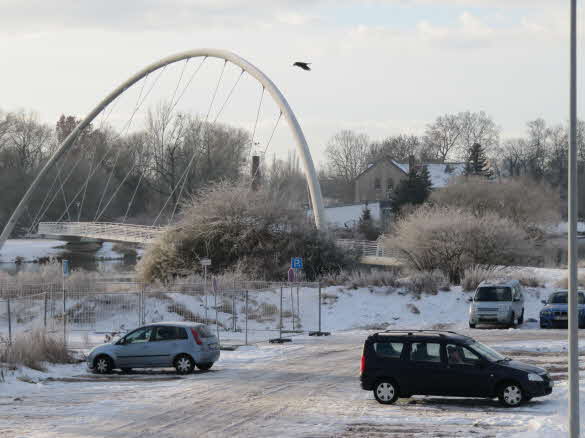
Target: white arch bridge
(124,232)
(373,252)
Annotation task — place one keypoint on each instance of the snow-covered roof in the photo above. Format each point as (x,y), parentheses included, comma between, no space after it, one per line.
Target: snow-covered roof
(437,171)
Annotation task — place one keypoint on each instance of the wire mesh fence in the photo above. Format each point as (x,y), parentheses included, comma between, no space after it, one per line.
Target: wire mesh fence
(90,313)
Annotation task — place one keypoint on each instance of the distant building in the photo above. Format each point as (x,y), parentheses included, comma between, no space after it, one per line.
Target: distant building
(380,179)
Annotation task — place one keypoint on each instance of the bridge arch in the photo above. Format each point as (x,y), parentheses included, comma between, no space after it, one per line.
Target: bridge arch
(277,96)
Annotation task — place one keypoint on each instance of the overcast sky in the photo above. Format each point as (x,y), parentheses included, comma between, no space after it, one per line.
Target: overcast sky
(380,67)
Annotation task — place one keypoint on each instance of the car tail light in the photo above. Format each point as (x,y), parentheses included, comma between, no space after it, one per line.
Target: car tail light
(363,364)
(196,336)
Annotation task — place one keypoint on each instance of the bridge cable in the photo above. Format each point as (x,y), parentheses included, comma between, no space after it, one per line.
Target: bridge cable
(138,101)
(186,175)
(195,152)
(256,122)
(173,105)
(266,148)
(111,145)
(172,108)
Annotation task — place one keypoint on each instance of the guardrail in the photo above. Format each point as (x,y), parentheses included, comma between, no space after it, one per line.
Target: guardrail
(102,231)
(368,248)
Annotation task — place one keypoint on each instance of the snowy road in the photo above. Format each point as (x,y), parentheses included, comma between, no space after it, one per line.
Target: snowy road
(306,389)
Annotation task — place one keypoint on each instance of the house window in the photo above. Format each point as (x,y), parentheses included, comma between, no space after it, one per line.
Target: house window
(377,183)
(389,185)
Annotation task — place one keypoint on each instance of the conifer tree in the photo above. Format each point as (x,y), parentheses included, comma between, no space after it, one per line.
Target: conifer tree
(477,163)
(415,189)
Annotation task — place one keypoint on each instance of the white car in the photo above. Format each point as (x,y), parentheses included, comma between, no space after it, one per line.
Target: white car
(497,302)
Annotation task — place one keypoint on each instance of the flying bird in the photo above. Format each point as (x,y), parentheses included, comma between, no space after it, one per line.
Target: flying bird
(303,65)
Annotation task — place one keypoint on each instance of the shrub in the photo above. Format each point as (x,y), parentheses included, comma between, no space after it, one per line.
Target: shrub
(256,231)
(453,239)
(33,348)
(426,282)
(524,201)
(474,275)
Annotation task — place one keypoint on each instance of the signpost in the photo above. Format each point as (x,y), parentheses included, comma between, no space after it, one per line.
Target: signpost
(65,266)
(205,262)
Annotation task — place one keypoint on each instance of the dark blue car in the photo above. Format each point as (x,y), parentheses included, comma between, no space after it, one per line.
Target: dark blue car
(555,312)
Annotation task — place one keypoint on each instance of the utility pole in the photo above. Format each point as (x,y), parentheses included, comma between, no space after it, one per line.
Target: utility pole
(573,286)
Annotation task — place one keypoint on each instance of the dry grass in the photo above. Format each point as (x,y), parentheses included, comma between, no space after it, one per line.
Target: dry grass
(362,278)
(475,275)
(428,282)
(34,348)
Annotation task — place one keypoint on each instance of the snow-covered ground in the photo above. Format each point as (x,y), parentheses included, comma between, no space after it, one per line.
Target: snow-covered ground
(308,388)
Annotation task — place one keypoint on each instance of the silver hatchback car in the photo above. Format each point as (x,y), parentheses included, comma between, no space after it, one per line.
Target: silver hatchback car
(183,345)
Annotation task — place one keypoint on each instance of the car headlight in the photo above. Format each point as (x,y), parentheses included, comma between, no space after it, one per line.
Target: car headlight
(535,378)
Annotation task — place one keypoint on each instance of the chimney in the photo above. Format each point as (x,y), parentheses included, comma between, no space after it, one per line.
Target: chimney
(411,162)
(255,172)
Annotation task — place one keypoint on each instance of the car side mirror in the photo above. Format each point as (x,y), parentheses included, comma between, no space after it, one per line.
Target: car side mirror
(121,341)
(543,301)
(469,299)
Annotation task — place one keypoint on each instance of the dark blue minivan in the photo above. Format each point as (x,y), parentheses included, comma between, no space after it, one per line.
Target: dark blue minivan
(397,363)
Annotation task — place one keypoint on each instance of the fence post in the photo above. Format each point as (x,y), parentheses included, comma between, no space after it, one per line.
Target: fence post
(292,307)
(215,289)
(64,313)
(319,307)
(45,313)
(280,325)
(298,307)
(234,311)
(9,322)
(246,307)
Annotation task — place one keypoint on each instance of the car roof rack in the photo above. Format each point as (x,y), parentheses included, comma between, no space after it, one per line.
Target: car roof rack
(411,332)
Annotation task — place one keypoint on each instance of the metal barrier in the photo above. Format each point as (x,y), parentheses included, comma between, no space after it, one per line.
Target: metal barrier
(240,312)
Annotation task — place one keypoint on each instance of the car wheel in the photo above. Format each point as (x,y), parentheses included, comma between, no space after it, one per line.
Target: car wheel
(513,321)
(511,395)
(386,392)
(204,366)
(471,325)
(126,370)
(103,365)
(184,364)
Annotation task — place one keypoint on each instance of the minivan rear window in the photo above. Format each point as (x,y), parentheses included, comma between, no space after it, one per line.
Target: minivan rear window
(204,331)
(492,293)
(389,349)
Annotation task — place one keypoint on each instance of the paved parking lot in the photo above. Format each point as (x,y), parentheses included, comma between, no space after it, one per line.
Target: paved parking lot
(309,388)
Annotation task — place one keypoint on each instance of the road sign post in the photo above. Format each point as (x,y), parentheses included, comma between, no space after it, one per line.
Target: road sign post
(205,262)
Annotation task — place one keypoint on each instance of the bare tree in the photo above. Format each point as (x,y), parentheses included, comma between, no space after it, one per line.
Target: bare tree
(347,154)
(442,136)
(398,147)
(477,127)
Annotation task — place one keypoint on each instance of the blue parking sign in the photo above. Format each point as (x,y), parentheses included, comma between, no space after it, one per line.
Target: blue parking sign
(65,268)
(296,263)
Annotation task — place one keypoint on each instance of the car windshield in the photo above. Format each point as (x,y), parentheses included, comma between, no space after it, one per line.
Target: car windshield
(562,297)
(486,352)
(492,293)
